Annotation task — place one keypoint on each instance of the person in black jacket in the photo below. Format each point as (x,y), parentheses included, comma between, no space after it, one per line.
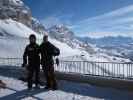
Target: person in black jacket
(31,60)
(48,51)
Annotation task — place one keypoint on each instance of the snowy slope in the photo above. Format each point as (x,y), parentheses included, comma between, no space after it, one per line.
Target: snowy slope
(12,28)
(14,37)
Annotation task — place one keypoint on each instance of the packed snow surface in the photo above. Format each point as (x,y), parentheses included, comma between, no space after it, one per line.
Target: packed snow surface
(17,90)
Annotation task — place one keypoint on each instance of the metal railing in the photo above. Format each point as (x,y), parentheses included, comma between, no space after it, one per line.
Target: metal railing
(104,69)
(10,61)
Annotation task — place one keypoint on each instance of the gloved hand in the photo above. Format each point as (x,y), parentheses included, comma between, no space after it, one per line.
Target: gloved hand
(57,61)
(23,65)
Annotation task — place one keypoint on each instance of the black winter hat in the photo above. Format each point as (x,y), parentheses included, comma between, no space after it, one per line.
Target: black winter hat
(32,36)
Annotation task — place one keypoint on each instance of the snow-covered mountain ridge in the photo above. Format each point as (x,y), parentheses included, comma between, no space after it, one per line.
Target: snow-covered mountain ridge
(17,23)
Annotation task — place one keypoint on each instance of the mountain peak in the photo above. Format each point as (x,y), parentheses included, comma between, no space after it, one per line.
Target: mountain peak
(16,10)
(59,27)
(61,30)
(12,2)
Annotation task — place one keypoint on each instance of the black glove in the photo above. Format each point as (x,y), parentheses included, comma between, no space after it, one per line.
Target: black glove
(57,61)
(23,65)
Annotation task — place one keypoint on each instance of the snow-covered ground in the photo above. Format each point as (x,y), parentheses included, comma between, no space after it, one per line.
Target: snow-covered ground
(17,90)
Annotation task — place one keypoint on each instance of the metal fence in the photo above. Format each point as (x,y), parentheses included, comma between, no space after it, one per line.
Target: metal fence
(104,69)
(10,61)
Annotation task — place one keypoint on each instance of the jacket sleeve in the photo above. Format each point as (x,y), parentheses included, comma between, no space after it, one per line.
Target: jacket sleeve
(25,55)
(53,49)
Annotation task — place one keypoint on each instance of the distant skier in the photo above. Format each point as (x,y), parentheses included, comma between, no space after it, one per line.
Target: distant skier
(48,51)
(31,60)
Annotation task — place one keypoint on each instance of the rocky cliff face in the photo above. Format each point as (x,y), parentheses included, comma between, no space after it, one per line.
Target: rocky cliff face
(16,10)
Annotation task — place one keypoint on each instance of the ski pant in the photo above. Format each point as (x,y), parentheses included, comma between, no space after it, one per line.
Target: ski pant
(50,76)
(32,70)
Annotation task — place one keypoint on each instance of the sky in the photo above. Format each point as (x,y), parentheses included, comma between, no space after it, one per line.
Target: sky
(93,18)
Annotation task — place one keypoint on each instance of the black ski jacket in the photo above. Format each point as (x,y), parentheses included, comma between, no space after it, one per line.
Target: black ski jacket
(47,51)
(31,55)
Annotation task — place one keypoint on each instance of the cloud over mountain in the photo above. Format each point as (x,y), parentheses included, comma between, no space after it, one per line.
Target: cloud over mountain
(114,23)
